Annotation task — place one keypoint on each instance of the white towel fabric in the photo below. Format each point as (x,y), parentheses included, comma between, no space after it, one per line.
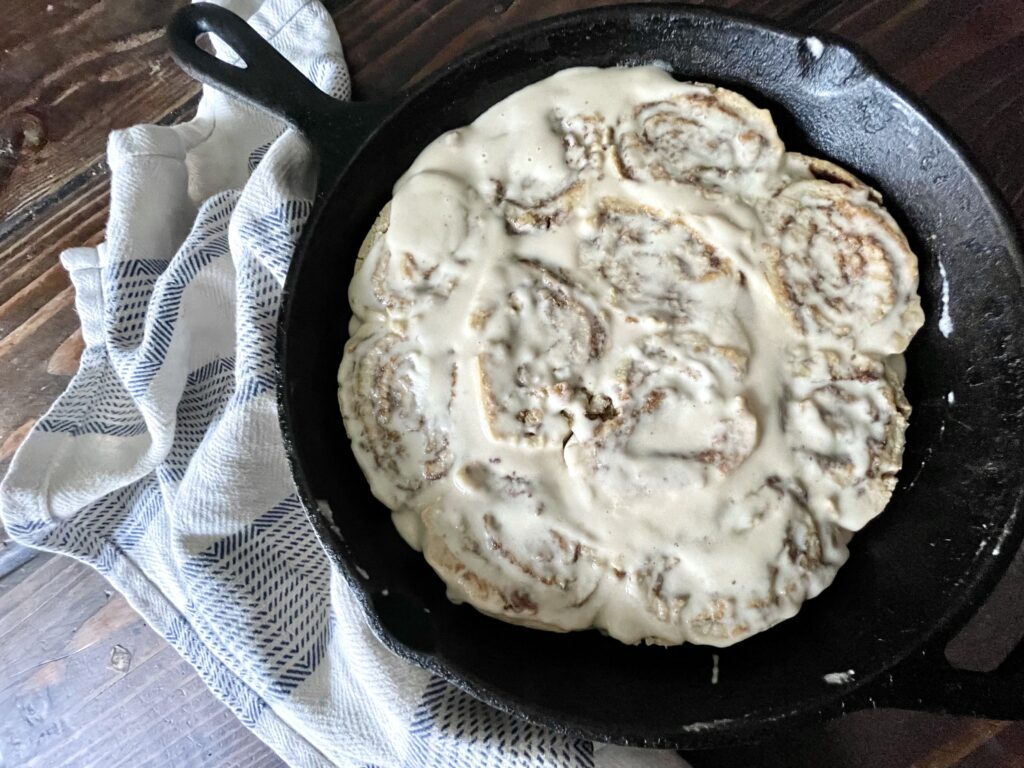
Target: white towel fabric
(162,464)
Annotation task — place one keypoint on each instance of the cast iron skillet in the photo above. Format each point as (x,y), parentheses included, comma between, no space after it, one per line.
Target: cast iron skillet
(915,575)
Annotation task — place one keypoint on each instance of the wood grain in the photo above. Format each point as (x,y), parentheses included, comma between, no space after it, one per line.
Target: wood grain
(86,682)
(72,71)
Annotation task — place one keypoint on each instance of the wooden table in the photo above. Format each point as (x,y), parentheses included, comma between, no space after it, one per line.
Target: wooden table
(84,680)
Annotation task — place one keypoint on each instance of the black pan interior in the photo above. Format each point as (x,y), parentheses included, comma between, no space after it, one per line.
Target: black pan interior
(913,574)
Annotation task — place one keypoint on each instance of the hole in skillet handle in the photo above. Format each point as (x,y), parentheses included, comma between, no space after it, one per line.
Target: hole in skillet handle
(208,43)
(264,78)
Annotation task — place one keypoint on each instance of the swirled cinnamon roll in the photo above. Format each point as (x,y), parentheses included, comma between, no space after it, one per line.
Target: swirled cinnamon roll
(839,266)
(704,135)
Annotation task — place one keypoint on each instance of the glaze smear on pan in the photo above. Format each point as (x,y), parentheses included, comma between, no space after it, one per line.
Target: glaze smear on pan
(619,360)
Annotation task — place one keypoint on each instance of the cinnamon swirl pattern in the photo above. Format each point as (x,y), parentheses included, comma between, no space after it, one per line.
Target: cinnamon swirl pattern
(618,360)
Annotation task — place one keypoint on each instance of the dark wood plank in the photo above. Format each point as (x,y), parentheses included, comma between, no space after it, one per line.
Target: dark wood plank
(72,73)
(86,682)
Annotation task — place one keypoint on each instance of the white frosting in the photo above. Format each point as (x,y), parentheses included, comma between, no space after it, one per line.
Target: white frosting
(620,361)
(945,319)
(840,678)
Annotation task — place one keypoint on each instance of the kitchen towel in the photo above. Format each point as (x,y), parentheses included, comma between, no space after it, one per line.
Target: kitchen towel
(162,464)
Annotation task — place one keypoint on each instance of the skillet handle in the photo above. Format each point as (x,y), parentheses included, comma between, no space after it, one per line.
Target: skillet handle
(930,683)
(927,682)
(268,80)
